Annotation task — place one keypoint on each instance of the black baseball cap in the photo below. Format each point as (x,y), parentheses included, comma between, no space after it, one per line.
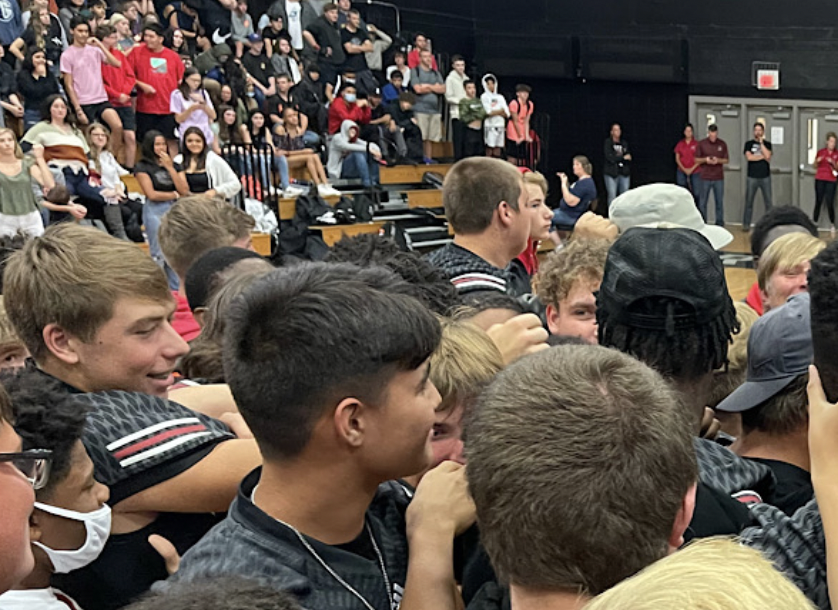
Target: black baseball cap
(675,263)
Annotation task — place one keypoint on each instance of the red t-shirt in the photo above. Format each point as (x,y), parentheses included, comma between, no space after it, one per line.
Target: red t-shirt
(717,149)
(183,321)
(824,168)
(754,299)
(162,70)
(340,111)
(686,150)
(413,60)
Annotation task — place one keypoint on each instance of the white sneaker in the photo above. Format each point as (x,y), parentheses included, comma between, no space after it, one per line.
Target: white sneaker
(290,193)
(327,190)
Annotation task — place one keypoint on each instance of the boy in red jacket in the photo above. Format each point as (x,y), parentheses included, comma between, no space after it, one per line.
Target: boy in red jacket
(348,107)
(119,82)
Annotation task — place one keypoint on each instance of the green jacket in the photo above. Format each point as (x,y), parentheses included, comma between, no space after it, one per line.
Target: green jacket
(471,110)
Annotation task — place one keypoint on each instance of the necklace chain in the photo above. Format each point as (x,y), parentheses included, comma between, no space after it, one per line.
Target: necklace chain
(331,571)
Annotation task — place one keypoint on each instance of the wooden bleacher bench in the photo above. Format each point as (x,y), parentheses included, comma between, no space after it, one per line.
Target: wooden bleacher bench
(410,174)
(333,234)
(261,244)
(424,198)
(288,207)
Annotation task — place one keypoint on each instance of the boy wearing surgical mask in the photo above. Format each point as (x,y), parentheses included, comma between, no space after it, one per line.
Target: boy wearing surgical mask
(71,521)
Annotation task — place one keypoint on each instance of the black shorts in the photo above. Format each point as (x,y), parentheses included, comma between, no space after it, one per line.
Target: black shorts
(127,116)
(164,123)
(94,111)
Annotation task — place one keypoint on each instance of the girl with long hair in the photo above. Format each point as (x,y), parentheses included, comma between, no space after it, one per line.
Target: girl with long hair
(34,84)
(65,149)
(206,172)
(263,143)
(191,105)
(290,135)
(19,206)
(162,182)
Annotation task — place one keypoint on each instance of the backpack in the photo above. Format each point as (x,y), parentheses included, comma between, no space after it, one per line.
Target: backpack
(295,237)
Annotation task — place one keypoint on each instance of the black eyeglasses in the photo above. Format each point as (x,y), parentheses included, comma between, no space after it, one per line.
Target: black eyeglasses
(33,464)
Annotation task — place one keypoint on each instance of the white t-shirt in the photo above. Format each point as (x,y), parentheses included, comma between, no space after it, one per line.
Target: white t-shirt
(295,23)
(37,599)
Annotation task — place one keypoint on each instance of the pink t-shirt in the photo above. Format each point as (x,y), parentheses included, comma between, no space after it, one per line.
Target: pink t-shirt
(84,64)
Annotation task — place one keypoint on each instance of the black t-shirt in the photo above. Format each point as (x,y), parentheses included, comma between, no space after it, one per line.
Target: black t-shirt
(327,36)
(161,179)
(278,103)
(794,485)
(272,37)
(258,66)
(355,62)
(757,169)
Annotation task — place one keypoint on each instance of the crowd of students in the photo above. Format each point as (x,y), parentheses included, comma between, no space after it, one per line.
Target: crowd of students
(383,430)
(480,427)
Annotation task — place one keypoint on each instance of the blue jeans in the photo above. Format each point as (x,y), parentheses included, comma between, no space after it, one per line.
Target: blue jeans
(153,212)
(764,186)
(718,189)
(30,117)
(563,219)
(360,165)
(616,186)
(311,139)
(692,183)
(89,196)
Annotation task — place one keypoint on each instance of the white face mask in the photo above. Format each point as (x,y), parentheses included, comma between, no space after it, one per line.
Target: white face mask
(98,526)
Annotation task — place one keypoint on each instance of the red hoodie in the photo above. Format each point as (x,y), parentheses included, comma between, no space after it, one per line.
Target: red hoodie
(118,80)
(340,111)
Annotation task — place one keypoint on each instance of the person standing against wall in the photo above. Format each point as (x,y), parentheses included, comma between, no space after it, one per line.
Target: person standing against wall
(687,173)
(617,164)
(712,155)
(455,92)
(758,153)
(826,162)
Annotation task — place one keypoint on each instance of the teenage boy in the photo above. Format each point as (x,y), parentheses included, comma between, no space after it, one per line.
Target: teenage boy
(193,226)
(241,27)
(94,313)
(390,92)
(772,401)
(356,43)
(347,107)
(319,519)
(19,474)
(485,201)
(454,94)
(119,84)
(324,37)
(408,134)
(159,72)
(259,69)
(471,113)
(567,285)
(497,112)
(610,429)
(71,522)
(427,84)
(81,66)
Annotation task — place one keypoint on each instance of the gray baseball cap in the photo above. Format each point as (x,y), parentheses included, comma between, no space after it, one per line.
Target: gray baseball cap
(664,206)
(779,351)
